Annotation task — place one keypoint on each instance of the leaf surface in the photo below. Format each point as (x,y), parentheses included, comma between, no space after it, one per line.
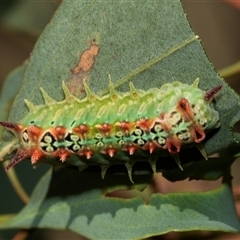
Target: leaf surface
(9,91)
(84,209)
(148,43)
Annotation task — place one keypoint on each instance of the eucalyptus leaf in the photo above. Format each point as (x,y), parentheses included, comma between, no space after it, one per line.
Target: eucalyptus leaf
(148,43)
(81,206)
(9,91)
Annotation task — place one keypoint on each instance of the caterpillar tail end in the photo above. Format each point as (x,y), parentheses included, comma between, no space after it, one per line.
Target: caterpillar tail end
(209,95)
(18,157)
(11,126)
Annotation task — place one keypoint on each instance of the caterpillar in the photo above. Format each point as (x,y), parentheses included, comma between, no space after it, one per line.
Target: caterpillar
(116,127)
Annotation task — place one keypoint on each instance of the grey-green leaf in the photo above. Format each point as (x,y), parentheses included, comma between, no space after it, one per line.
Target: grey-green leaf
(148,43)
(82,207)
(9,91)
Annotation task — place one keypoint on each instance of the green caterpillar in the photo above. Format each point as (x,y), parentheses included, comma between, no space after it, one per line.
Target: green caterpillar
(116,127)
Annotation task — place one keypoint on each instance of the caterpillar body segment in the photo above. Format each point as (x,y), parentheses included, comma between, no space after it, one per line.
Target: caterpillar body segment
(114,127)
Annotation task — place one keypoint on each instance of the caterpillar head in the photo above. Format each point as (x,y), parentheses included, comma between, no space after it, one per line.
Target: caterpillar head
(207,117)
(197,116)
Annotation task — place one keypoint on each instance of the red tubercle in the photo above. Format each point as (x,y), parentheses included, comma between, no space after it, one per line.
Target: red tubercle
(104,128)
(36,154)
(59,132)
(185,109)
(173,145)
(87,153)
(130,148)
(209,95)
(34,132)
(82,130)
(151,146)
(62,153)
(125,126)
(109,150)
(197,133)
(145,124)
